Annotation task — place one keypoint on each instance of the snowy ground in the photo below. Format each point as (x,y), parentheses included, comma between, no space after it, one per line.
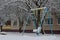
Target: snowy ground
(28,36)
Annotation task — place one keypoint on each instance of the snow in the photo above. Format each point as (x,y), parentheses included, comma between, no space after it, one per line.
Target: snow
(28,36)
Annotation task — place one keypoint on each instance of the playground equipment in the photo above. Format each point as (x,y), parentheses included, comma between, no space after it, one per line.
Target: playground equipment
(42,19)
(45,11)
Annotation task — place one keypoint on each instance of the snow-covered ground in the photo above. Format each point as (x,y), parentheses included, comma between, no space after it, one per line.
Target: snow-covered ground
(28,36)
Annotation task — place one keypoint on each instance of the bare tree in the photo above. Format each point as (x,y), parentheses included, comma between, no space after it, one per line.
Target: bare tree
(10,10)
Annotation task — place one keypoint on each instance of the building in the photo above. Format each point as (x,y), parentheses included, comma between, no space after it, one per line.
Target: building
(11,23)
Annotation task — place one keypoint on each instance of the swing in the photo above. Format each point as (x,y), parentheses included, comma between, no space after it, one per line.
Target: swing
(45,10)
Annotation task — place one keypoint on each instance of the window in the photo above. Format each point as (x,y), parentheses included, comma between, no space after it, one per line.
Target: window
(49,21)
(58,20)
(15,22)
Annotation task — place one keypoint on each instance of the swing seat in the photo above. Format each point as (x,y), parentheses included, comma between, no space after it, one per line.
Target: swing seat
(34,30)
(37,30)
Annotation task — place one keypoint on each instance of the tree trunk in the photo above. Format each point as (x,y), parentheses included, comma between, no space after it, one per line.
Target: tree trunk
(12,22)
(17,22)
